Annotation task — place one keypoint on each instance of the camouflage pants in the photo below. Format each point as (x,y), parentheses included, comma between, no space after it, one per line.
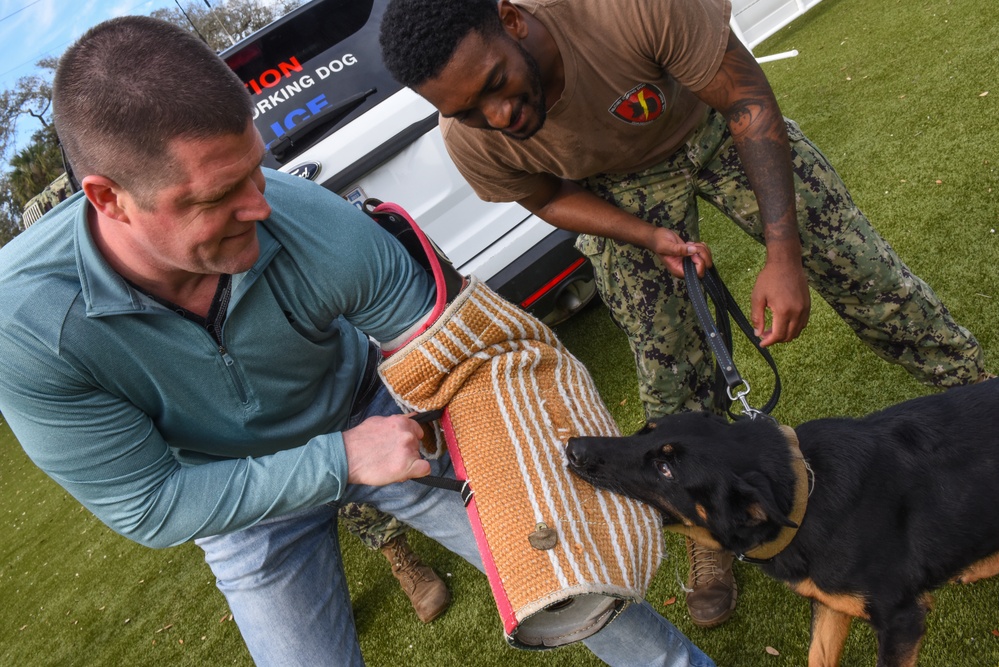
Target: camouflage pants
(373,527)
(847,262)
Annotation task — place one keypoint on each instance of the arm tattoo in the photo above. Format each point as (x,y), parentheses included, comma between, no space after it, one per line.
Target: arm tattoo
(760,136)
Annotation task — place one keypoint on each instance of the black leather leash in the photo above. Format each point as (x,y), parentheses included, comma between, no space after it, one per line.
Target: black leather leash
(461,486)
(719,336)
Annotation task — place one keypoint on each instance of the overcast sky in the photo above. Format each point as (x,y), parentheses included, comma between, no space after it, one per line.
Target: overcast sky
(33,29)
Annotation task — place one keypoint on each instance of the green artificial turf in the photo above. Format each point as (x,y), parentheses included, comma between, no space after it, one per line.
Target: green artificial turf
(903,96)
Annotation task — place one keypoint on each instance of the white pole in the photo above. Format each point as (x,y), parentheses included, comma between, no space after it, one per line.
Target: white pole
(778,56)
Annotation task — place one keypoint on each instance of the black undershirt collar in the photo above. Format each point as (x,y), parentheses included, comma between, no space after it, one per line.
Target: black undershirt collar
(216,312)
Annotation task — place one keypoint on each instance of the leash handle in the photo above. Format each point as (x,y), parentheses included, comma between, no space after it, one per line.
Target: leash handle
(461,486)
(719,337)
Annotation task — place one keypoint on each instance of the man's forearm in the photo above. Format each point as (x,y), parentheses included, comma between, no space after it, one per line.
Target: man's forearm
(761,140)
(568,206)
(741,92)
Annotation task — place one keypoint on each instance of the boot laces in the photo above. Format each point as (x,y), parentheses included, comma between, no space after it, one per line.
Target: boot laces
(704,565)
(405,562)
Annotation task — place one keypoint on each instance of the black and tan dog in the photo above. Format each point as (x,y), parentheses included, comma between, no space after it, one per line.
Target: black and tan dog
(863,516)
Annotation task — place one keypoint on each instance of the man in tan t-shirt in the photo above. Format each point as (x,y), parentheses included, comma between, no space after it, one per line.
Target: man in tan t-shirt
(609,118)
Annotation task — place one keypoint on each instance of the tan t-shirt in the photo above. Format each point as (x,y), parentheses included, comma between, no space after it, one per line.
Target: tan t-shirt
(630,67)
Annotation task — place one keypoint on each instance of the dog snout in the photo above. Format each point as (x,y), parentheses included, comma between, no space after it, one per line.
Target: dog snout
(572,453)
(578,453)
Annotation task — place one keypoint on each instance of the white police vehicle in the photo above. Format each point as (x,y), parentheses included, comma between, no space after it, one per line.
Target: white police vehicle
(329,111)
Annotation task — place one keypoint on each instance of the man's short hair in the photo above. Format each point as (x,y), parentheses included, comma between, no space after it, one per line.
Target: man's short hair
(418,37)
(131,85)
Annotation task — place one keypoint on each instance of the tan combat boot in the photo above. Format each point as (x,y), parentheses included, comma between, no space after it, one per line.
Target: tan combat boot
(421,584)
(711,588)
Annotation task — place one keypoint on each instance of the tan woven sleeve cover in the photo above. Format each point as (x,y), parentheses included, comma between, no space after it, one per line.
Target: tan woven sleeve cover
(514,396)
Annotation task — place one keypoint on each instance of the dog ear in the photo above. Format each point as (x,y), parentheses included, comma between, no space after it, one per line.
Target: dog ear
(646,427)
(761,505)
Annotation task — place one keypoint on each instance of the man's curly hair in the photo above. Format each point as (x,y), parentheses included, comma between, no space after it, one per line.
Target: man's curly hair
(418,37)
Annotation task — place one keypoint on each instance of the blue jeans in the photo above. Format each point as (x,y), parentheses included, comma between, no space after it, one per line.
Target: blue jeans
(284,580)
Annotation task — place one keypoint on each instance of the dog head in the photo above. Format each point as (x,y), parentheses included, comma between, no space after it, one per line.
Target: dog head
(734,480)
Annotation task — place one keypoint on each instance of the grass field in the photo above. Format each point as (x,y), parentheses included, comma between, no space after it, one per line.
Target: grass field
(903,96)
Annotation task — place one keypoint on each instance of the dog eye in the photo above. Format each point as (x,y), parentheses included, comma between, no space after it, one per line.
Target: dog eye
(664,470)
